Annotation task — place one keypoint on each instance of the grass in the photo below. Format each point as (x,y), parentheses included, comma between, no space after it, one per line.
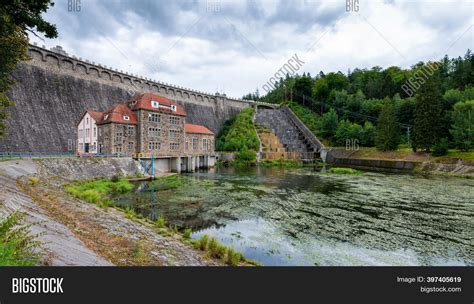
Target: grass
(17,246)
(160,222)
(345,171)
(285,163)
(220,251)
(99,191)
(169,182)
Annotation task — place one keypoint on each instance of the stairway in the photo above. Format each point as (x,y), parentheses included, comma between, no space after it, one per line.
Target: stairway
(271,147)
(291,133)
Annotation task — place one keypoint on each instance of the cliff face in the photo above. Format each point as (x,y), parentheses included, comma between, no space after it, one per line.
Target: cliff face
(50,98)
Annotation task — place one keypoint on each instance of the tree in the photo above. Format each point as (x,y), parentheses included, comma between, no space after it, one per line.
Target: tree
(426,131)
(17,18)
(388,130)
(462,129)
(329,122)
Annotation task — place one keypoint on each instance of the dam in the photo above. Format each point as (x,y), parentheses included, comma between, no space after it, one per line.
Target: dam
(53,89)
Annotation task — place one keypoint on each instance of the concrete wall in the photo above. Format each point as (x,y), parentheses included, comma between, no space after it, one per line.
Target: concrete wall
(52,91)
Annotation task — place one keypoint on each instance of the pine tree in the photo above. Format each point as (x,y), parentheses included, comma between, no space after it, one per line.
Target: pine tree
(388,130)
(427,114)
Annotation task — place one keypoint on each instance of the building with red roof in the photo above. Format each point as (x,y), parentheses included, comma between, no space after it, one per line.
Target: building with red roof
(147,124)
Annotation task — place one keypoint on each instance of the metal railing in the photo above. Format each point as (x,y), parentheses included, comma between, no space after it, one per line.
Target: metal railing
(39,155)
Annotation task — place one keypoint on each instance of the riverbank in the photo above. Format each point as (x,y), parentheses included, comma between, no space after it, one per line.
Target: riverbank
(459,164)
(75,232)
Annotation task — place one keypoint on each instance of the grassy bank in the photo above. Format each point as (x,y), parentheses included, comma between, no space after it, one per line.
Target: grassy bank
(98,191)
(17,246)
(101,192)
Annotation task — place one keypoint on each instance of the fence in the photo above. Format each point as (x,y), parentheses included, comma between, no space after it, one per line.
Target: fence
(36,155)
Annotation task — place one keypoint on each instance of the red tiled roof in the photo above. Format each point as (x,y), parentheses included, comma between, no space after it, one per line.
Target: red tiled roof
(190,128)
(97,116)
(117,113)
(144,101)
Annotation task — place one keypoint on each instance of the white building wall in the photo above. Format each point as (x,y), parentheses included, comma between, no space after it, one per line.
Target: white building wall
(87,134)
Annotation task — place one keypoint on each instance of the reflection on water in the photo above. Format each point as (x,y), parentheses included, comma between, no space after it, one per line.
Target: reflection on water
(302,217)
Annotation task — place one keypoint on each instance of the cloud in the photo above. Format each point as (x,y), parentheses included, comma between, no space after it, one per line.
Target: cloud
(235,46)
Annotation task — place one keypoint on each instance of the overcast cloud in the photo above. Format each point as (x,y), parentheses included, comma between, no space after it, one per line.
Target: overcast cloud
(235,46)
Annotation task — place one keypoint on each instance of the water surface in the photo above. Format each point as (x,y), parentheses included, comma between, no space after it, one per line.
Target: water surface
(303,217)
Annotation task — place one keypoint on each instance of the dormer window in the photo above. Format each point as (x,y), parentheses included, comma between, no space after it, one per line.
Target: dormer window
(155,104)
(125,117)
(173,107)
(106,116)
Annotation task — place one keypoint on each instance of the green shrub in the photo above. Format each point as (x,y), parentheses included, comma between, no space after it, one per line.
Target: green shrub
(238,134)
(233,257)
(187,233)
(441,147)
(160,221)
(212,246)
(221,251)
(203,242)
(33,180)
(17,246)
(246,157)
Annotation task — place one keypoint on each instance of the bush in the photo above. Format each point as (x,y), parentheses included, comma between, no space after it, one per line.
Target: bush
(238,134)
(187,233)
(441,147)
(203,242)
(160,221)
(246,157)
(16,244)
(233,257)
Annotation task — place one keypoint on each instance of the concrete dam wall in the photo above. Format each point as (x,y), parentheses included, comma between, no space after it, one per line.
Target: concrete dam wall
(53,90)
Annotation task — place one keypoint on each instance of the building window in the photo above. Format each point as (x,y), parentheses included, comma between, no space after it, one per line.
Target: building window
(118,148)
(80,132)
(195,143)
(95,131)
(152,145)
(174,120)
(173,108)
(174,146)
(205,144)
(87,120)
(174,134)
(130,146)
(87,132)
(130,130)
(125,117)
(187,144)
(100,132)
(155,104)
(118,137)
(106,116)
(154,117)
(154,132)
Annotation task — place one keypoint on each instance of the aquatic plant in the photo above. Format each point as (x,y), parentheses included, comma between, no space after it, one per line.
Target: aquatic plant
(346,171)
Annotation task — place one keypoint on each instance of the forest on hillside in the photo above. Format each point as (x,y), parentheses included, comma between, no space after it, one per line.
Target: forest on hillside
(428,107)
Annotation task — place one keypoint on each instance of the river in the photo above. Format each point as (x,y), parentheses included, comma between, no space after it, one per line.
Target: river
(303,217)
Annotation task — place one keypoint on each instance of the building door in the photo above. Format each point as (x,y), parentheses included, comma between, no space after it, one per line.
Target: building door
(86,148)
(100,148)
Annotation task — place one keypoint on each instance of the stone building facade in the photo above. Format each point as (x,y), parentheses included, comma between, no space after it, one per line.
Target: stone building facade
(151,125)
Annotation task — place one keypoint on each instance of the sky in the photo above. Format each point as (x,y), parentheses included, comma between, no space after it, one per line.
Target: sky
(234,47)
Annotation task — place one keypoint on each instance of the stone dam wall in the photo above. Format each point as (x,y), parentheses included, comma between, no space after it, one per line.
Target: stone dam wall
(53,90)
